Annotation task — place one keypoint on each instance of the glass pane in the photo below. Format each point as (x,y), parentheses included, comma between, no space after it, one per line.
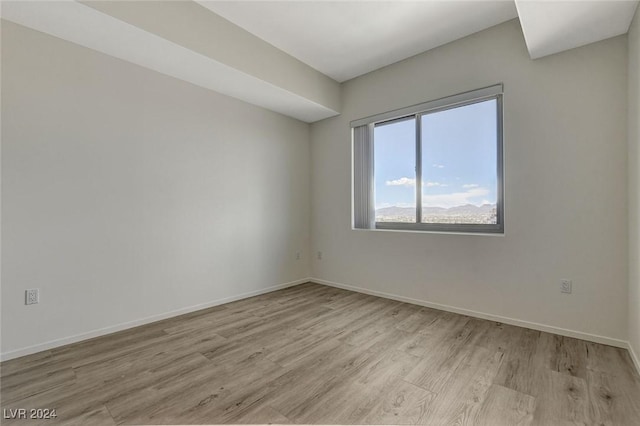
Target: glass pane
(459,165)
(394,147)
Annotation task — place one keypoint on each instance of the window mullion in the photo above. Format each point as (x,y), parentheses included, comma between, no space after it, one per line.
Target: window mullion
(418,169)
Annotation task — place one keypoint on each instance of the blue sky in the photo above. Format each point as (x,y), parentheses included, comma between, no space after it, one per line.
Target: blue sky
(458,158)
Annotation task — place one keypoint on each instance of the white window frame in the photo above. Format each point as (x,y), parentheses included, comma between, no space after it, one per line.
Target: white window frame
(363,208)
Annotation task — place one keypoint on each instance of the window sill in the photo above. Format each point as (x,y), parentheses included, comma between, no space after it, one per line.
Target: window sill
(437,232)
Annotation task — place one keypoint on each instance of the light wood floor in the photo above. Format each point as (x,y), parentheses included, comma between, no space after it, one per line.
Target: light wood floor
(316,354)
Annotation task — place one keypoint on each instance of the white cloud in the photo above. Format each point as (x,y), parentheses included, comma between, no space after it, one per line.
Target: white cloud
(403,181)
(470,185)
(455,198)
(429,184)
(438,166)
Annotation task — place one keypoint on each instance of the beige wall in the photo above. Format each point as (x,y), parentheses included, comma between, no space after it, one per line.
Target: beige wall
(127,194)
(565,182)
(634,187)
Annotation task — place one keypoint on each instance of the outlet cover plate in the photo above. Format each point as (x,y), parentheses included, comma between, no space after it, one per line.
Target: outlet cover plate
(565,286)
(31,296)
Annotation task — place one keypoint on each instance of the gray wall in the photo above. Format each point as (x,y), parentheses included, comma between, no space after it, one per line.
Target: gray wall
(565,151)
(127,194)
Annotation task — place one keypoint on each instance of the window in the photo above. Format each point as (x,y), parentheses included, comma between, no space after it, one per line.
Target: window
(436,166)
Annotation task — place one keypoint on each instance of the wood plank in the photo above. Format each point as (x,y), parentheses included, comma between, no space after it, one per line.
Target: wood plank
(449,347)
(263,415)
(563,400)
(419,319)
(609,403)
(195,395)
(98,417)
(506,407)
(25,384)
(404,404)
(310,386)
(349,401)
(569,356)
(461,398)
(520,369)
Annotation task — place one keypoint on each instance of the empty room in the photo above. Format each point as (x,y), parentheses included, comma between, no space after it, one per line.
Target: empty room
(320,212)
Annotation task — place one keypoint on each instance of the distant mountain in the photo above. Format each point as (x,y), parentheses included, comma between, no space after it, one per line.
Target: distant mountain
(467,209)
(470,209)
(396,211)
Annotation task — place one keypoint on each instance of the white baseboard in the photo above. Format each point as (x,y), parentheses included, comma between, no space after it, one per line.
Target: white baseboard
(142,321)
(512,321)
(634,356)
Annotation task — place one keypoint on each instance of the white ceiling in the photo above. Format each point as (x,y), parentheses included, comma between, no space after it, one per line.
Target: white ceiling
(554,26)
(345,39)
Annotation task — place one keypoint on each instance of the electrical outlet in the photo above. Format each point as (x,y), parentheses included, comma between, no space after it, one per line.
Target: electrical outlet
(319,255)
(31,296)
(297,255)
(565,286)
